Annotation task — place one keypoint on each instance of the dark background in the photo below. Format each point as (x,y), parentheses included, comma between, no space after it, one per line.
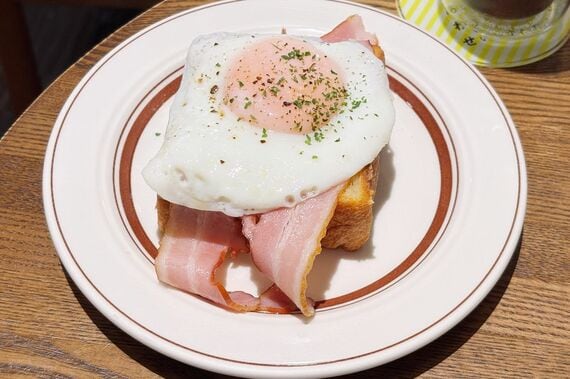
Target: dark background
(60,32)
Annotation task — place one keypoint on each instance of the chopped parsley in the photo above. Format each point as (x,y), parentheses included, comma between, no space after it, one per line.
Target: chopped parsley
(298,103)
(318,136)
(295,54)
(356,103)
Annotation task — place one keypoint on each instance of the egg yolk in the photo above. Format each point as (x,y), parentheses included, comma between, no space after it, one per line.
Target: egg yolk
(284,84)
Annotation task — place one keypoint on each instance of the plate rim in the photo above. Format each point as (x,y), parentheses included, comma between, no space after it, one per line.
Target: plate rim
(136,330)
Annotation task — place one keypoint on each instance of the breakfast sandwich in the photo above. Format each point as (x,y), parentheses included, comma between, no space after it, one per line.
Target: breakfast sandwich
(271,149)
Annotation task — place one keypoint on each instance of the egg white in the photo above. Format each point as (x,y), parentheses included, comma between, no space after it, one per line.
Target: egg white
(211,161)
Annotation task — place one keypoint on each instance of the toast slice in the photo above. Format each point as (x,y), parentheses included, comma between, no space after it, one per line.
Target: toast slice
(351,223)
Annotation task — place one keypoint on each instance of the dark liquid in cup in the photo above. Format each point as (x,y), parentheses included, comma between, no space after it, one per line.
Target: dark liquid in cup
(510,9)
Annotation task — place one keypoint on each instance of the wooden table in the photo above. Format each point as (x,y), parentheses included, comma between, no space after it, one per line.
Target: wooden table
(48,328)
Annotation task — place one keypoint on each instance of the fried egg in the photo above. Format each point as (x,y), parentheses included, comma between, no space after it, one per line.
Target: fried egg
(266,121)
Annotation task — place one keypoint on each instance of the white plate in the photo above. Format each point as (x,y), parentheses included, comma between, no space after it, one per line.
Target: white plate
(449,209)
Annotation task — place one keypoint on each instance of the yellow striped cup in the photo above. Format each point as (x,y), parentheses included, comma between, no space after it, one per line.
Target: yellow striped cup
(488,41)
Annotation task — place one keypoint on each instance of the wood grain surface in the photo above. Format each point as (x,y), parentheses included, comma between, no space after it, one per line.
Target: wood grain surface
(49,329)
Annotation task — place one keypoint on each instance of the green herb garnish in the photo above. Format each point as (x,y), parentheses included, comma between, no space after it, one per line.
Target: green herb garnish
(295,54)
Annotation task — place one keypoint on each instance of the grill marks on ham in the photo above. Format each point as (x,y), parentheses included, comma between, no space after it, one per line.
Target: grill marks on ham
(285,242)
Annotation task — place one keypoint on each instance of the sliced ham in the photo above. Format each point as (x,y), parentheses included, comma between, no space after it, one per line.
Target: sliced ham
(285,242)
(193,246)
(352,29)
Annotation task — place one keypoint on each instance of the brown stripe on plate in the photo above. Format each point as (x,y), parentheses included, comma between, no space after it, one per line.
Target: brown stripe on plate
(428,120)
(126,161)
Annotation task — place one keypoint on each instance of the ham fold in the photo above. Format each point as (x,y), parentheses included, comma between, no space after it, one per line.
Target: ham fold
(352,29)
(193,246)
(285,242)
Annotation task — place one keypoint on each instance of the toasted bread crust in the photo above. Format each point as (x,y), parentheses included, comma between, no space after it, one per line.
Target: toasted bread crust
(163,213)
(350,226)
